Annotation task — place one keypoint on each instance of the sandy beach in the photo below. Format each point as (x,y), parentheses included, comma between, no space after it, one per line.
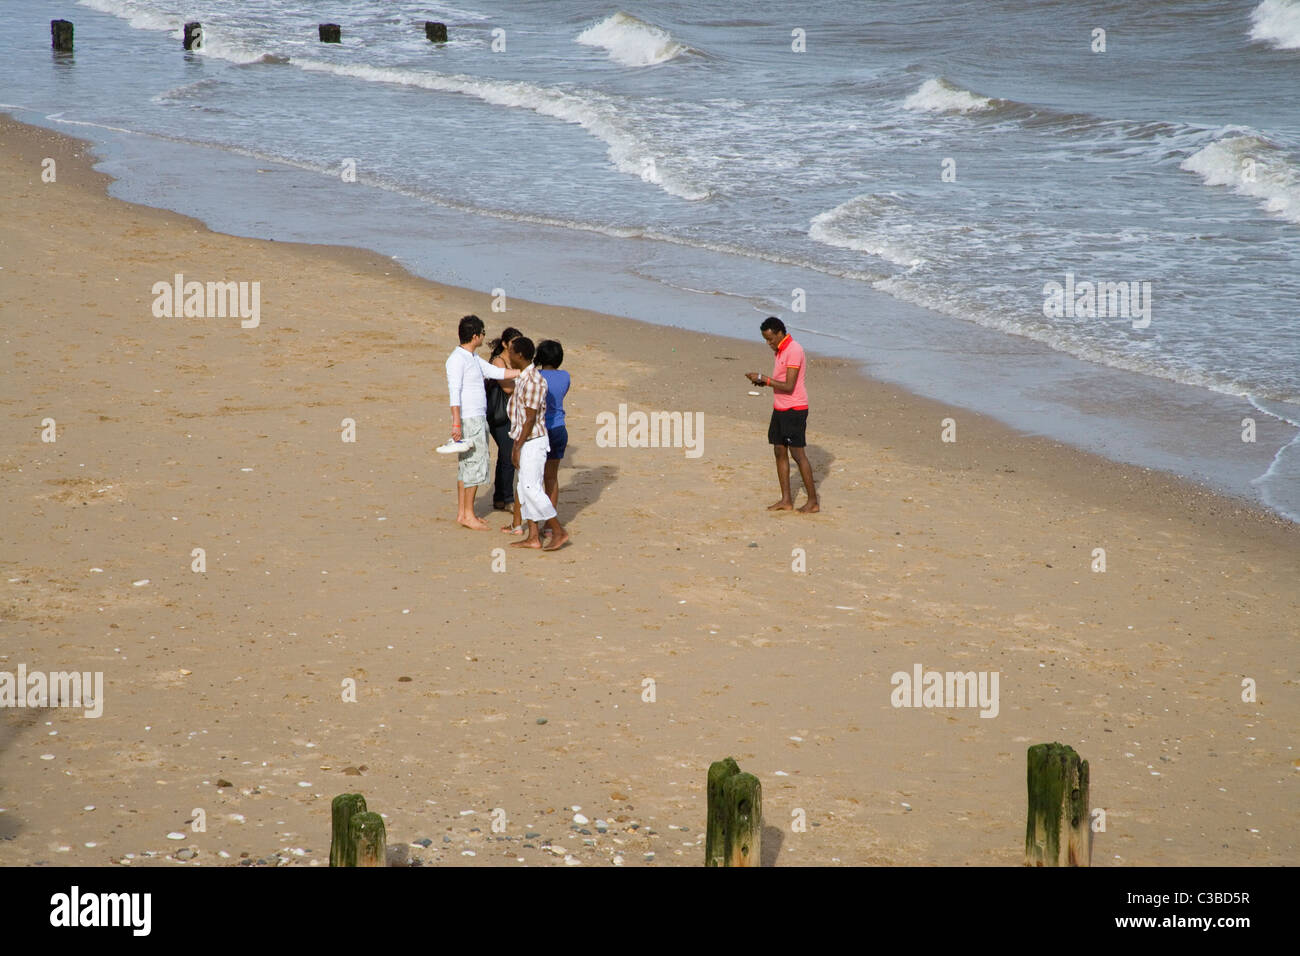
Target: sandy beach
(525,690)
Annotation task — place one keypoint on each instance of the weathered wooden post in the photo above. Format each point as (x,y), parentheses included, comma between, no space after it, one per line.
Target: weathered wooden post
(368,839)
(733,830)
(1058,832)
(715,826)
(436,32)
(331,33)
(61,35)
(343,851)
(743,798)
(193,35)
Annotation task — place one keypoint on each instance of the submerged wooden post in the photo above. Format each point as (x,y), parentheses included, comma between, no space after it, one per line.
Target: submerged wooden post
(436,32)
(61,35)
(742,795)
(1058,832)
(343,851)
(331,33)
(367,837)
(715,826)
(193,35)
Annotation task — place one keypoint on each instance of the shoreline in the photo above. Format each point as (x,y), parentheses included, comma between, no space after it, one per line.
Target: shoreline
(1128,418)
(971,554)
(843,366)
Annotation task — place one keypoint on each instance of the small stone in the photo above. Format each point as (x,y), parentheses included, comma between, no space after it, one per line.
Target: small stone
(541,720)
(753,544)
(579,819)
(424,842)
(531,835)
(185,854)
(620,797)
(175,836)
(222,783)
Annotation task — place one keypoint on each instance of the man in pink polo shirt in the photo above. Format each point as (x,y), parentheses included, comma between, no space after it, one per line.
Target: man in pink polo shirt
(789,412)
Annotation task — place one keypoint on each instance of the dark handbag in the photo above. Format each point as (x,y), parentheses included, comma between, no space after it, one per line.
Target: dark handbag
(498,401)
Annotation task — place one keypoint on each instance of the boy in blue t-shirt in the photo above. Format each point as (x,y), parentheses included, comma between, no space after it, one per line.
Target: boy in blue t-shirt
(550,355)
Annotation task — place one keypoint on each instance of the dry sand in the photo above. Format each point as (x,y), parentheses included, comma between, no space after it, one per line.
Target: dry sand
(328,560)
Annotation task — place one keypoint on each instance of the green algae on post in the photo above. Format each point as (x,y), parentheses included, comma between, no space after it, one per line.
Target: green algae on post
(1057,832)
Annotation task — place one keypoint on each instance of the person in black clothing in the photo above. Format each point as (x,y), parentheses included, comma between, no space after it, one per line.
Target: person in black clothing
(503,491)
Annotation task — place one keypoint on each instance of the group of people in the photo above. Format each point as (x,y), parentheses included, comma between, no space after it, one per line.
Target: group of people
(516,396)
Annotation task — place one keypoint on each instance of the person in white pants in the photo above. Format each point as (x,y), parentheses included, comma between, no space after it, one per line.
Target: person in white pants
(528,429)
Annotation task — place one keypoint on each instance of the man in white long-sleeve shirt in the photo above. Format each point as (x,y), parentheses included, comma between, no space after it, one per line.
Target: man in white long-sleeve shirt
(465,375)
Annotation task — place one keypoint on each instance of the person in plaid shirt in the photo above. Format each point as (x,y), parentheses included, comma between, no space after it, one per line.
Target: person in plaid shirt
(527,409)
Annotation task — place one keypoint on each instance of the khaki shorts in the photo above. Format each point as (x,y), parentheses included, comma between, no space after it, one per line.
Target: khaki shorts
(472,465)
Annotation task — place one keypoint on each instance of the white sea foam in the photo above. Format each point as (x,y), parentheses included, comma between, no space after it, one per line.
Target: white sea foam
(138,15)
(217,41)
(940,96)
(594,112)
(631,41)
(1251,166)
(859,225)
(1277,22)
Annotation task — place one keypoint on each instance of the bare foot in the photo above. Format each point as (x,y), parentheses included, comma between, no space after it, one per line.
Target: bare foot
(781,505)
(529,542)
(557,541)
(474,524)
(812,507)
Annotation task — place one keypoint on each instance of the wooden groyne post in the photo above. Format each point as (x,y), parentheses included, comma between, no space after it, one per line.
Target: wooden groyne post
(343,851)
(61,35)
(193,35)
(436,32)
(733,832)
(367,840)
(1058,831)
(331,33)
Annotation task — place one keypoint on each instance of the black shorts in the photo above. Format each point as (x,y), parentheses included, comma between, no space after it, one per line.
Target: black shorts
(788,427)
